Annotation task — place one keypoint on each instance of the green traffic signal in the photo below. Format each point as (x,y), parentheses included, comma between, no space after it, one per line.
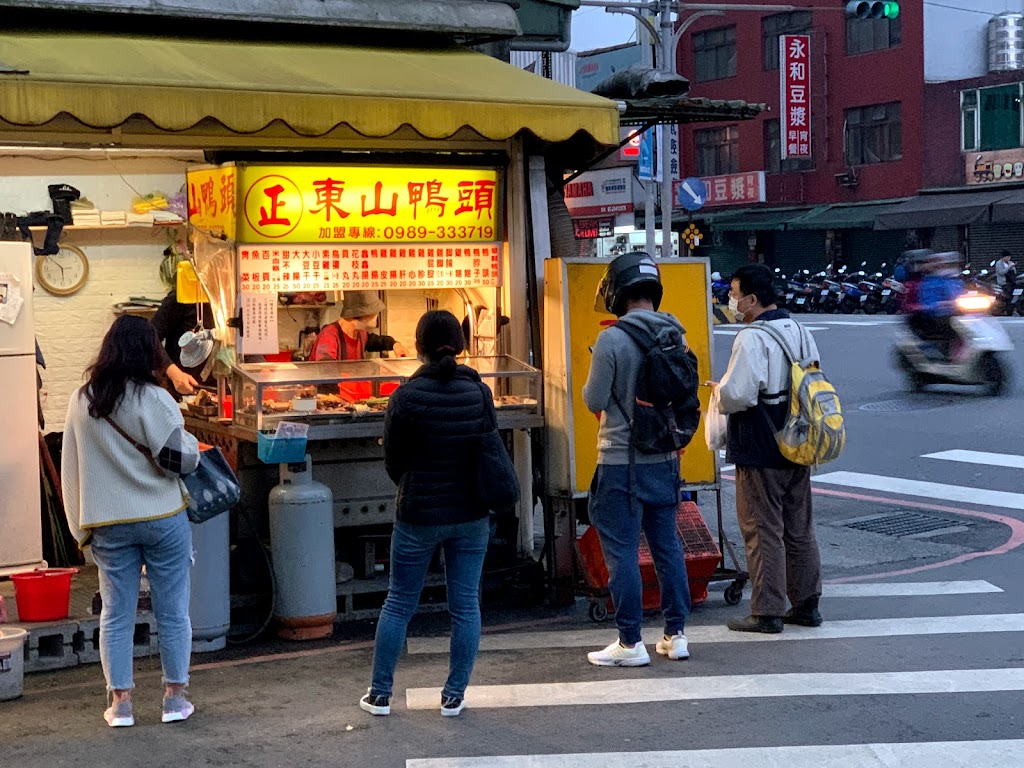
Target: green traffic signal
(872,9)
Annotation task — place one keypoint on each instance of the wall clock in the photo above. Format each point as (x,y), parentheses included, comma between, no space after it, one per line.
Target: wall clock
(64,272)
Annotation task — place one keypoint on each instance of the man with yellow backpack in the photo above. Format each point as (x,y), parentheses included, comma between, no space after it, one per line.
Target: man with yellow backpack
(784,418)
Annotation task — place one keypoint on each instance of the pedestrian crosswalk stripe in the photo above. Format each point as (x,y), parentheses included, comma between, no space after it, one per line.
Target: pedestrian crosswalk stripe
(934,754)
(591,639)
(980,457)
(910,589)
(704,688)
(934,491)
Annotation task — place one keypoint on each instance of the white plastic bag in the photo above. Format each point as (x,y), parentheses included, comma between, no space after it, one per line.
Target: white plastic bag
(715,424)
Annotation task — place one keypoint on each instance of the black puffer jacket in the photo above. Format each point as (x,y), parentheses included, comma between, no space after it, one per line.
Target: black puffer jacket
(431,437)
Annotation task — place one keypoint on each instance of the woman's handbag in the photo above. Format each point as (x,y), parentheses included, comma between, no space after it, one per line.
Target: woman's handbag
(497,482)
(210,490)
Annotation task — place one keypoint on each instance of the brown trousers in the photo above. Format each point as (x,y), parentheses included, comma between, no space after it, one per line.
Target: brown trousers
(774,511)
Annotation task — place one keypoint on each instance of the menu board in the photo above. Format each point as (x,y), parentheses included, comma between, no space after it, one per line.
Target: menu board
(370,266)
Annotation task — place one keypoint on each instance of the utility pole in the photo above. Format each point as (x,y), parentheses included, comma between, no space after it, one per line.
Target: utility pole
(668,64)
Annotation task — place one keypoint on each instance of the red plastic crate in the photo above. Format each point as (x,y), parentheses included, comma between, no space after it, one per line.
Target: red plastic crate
(699,546)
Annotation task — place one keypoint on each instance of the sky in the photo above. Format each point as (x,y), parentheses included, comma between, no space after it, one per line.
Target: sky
(595,28)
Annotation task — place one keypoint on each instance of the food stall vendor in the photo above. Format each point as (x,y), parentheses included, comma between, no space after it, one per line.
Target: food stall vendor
(172,320)
(351,337)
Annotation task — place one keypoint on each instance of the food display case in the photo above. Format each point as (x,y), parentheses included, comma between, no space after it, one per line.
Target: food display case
(336,398)
(340,399)
(514,385)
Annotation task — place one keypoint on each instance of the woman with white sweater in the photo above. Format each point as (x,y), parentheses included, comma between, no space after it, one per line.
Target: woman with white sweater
(125,447)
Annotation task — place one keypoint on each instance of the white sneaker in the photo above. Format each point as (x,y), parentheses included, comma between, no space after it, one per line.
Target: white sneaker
(674,647)
(615,655)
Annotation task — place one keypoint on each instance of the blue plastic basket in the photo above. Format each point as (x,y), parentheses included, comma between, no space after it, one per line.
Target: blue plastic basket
(280,450)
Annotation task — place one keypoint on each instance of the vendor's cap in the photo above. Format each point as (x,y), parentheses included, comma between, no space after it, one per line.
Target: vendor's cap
(361,304)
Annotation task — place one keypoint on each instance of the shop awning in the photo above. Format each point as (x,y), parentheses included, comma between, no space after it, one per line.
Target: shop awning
(1009,210)
(687,109)
(102,81)
(756,220)
(940,210)
(843,216)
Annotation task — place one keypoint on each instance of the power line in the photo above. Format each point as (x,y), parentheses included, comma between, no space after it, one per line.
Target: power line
(958,8)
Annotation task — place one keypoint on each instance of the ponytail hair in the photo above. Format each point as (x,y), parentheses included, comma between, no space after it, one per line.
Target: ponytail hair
(439,339)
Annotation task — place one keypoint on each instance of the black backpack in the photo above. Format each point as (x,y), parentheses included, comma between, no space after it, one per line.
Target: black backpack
(667,410)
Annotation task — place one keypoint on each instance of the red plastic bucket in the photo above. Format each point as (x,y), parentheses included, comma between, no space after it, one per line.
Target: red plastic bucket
(43,594)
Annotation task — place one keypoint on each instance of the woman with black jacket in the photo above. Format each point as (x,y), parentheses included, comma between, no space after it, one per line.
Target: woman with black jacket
(431,440)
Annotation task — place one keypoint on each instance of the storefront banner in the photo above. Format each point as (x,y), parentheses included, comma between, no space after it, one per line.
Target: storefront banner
(590,229)
(366,204)
(735,189)
(993,167)
(795,84)
(604,192)
(211,200)
(313,267)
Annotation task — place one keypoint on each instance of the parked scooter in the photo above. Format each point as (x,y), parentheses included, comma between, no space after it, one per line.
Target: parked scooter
(978,357)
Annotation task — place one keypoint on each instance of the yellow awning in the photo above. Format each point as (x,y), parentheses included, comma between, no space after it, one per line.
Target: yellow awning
(103,80)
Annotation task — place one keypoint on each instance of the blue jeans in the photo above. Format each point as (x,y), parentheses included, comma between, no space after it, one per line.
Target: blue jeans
(619,516)
(412,547)
(165,547)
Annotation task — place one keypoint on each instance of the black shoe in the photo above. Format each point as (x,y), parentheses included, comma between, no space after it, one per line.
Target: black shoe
(375,705)
(767,625)
(451,706)
(805,615)
(803,618)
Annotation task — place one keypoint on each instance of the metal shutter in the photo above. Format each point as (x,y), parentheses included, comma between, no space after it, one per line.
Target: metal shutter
(800,249)
(873,247)
(987,241)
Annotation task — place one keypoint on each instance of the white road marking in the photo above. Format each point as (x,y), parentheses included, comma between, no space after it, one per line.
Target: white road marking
(647,690)
(857,323)
(732,330)
(960,493)
(934,754)
(590,639)
(980,457)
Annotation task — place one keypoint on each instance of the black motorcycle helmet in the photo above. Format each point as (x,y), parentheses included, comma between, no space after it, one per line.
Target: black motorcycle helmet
(621,280)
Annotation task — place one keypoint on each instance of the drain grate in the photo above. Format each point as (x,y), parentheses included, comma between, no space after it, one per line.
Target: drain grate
(906,524)
(903,404)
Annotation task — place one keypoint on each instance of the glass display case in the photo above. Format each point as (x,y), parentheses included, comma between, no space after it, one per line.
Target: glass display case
(349,398)
(515,386)
(322,394)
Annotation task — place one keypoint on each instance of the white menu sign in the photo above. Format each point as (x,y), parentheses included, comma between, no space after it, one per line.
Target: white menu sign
(259,323)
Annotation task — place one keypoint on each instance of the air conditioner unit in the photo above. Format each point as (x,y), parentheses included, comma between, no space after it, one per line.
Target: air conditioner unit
(848,178)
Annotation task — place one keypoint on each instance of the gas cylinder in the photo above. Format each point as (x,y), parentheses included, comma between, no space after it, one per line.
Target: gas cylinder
(302,550)
(210,603)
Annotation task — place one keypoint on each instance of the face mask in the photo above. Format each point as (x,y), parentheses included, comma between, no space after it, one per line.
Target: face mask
(734,305)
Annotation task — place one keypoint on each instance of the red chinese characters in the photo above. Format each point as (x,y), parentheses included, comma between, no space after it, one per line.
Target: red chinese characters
(735,189)
(476,196)
(328,197)
(795,84)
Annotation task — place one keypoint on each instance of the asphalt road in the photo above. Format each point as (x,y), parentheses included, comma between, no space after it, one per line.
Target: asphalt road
(920,662)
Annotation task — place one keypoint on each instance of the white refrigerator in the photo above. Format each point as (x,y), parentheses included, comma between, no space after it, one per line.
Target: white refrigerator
(21,539)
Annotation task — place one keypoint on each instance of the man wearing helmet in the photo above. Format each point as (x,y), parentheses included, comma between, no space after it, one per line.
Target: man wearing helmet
(936,301)
(634,492)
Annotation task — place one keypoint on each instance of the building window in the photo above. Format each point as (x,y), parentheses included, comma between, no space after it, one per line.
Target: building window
(714,54)
(868,35)
(718,151)
(969,120)
(991,118)
(999,110)
(874,134)
(773,162)
(773,27)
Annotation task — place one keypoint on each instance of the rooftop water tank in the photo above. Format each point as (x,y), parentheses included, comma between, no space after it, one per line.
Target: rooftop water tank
(1006,42)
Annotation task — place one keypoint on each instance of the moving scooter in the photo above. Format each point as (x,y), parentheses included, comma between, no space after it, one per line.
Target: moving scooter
(979,355)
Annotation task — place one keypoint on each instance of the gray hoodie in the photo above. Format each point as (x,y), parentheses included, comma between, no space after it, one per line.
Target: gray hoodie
(613,369)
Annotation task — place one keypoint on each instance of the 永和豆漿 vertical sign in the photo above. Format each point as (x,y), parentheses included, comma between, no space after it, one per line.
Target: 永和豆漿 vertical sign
(795,96)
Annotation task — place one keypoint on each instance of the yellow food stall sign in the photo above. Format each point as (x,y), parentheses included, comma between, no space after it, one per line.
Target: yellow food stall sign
(308,267)
(571,328)
(212,193)
(367,204)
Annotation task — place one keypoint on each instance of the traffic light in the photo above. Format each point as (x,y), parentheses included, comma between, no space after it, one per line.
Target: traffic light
(868,9)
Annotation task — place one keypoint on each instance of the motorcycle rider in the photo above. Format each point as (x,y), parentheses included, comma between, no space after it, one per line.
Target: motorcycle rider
(936,301)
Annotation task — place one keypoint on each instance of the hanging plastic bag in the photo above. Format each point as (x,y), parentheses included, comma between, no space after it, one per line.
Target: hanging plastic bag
(715,424)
